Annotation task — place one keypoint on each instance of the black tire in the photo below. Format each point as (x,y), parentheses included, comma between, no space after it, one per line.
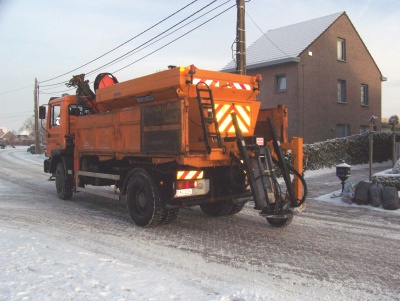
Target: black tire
(170,215)
(280,222)
(143,200)
(63,183)
(236,208)
(218,208)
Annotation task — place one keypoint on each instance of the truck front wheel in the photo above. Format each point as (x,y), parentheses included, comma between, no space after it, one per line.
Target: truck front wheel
(63,184)
(143,200)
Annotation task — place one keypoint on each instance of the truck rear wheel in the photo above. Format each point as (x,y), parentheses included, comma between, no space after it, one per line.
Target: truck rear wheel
(63,184)
(236,208)
(170,214)
(143,200)
(218,209)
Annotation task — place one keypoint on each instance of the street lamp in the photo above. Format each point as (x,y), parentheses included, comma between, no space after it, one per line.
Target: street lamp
(343,172)
(372,122)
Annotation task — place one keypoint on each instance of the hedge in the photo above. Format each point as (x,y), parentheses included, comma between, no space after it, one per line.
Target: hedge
(352,149)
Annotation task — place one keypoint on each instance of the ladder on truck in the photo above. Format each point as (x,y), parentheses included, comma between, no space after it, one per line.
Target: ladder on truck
(206,104)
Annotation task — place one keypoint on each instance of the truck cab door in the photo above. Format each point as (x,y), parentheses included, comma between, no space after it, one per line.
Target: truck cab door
(55,128)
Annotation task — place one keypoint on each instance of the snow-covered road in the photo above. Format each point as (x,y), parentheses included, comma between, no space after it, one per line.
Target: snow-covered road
(88,248)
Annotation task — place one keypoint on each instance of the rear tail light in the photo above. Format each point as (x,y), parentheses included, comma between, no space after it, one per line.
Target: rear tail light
(179,185)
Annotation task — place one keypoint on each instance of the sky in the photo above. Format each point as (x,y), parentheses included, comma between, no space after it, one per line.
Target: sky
(49,40)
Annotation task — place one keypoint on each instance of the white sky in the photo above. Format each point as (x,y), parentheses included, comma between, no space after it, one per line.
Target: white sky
(43,39)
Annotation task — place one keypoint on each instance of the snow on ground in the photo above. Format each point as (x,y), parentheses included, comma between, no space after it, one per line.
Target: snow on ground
(335,196)
(335,199)
(34,266)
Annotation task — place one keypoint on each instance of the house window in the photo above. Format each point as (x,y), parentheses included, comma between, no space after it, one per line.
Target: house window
(364,95)
(341,49)
(341,91)
(280,83)
(364,129)
(342,130)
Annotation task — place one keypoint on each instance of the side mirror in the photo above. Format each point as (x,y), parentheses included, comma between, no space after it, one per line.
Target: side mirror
(42,112)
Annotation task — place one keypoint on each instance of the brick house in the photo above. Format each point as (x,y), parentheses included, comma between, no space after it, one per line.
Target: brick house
(324,74)
(8,137)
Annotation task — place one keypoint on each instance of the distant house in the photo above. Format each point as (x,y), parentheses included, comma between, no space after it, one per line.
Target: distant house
(324,74)
(1,132)
(9,137)
(23,137)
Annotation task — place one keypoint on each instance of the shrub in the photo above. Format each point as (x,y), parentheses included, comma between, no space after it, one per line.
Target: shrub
(352,149)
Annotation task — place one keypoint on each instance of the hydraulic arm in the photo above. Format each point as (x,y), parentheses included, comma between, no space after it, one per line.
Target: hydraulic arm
(266,191)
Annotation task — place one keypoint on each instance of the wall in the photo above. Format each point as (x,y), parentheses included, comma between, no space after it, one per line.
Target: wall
(318,77)
(311,95)
(271,99)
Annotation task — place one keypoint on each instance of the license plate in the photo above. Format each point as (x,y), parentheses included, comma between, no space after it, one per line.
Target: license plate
(183,192)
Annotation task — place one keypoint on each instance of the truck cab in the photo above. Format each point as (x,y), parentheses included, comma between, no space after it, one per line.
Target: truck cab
(60,128)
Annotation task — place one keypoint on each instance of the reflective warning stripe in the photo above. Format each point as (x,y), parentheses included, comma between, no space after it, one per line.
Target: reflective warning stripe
(189,175)
(215,83)
(208,82)
(224,119)
(240,86)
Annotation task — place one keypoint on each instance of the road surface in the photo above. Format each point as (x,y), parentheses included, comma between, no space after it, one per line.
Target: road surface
(328,252)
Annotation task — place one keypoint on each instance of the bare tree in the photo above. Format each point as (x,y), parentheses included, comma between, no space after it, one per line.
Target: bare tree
(29,125)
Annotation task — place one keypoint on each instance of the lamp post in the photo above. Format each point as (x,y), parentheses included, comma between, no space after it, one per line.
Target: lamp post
(372,121)
(393,121)
(343,172)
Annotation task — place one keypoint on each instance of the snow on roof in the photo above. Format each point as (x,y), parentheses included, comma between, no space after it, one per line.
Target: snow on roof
(25,132)
(286,43)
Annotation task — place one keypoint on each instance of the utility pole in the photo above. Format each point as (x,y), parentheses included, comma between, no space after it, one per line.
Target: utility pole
(240,38)
(35,98)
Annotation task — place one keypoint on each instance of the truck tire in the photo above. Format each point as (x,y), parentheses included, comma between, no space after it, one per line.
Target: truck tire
(143,200)
(218,208)
(63,184)
(236,208)
(169,215)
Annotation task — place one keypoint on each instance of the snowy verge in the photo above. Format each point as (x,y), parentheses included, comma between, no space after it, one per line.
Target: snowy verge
(387,178)
(334,199)
(23,154)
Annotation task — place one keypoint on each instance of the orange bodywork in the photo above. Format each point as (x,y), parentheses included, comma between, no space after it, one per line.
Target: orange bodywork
(157,117)
(59,125)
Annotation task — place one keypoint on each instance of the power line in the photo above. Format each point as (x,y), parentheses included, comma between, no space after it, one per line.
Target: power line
(15,114)
(144,46)
(277,47)
(165,45)
(59,84)
(122,43)
(3,93)
(120,58)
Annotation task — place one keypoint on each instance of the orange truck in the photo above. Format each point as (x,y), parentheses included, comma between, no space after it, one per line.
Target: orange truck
(175,139)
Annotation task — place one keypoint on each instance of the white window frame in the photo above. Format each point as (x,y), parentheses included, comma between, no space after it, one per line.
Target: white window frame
(364,95)
(341,49)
